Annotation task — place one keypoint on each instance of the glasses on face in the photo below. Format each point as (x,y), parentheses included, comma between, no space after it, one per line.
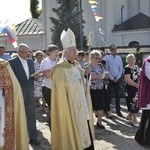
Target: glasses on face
(24,51)
(97,58)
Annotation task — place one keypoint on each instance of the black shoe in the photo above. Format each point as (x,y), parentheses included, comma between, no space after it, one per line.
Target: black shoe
(109,116)
(100,126)
(34,142)
(96,116)
(119,114)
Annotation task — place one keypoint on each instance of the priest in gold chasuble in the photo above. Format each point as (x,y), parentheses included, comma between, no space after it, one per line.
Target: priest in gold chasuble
(13,129)
(71,111)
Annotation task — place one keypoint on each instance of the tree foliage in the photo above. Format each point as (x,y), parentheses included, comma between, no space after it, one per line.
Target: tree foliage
(139,56)
(68,16)
(34,8)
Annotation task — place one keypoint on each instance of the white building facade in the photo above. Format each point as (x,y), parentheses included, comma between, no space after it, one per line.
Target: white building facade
(123,21)
(113,12)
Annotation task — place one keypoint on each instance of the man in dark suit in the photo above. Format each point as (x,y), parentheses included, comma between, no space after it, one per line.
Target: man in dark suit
(23,68)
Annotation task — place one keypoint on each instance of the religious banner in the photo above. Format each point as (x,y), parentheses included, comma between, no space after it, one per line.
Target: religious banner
(96,12)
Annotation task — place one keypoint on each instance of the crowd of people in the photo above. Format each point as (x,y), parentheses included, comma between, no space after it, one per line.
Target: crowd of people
(73,85)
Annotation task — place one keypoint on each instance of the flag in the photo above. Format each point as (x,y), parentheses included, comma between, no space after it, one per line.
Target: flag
(95,10)
(11,33)
(93,2)
(93,6)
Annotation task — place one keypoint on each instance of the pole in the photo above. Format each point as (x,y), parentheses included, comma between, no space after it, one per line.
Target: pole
(81,30)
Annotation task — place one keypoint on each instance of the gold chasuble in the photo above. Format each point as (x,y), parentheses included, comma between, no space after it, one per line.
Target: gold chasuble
(70,109)
(14,135)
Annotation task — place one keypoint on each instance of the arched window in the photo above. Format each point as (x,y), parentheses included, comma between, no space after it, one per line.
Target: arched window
(134,44)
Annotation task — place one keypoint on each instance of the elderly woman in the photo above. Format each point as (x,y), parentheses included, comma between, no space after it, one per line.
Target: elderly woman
(38,83)
(96,89)
(131,74)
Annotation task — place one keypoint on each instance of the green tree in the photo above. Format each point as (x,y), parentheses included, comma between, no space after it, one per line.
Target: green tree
(139,56)
(68,16)
(34,8)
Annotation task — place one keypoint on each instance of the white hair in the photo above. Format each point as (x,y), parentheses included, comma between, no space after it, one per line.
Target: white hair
(22,45)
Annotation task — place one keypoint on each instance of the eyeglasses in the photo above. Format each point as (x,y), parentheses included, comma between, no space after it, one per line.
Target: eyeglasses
(40,55)
(24,51)
(97,58)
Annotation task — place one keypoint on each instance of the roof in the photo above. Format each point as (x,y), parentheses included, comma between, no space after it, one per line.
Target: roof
(30,27)
(139,21)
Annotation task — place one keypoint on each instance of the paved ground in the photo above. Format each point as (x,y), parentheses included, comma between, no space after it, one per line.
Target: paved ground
(119,133)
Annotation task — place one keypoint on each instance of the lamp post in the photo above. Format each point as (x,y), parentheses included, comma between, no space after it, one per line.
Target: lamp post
(81,30)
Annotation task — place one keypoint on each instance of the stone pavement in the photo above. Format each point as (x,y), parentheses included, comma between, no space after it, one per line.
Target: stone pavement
(119,133)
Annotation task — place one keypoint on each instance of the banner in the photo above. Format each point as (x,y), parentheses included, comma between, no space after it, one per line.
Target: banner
(95,10)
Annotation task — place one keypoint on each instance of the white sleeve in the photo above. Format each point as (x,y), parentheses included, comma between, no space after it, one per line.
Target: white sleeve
(44,65)
(147,70)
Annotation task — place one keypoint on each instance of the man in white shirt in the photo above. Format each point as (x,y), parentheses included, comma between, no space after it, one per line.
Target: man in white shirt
(115,68)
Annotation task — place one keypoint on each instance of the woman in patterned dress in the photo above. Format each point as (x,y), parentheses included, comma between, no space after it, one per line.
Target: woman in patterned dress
(96,89)
(38,83)
(131,73)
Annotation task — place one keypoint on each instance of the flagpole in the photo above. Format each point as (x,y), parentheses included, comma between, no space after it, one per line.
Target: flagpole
(81,29)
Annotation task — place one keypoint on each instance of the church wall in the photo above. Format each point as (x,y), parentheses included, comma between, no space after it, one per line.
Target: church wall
(110,10)
(109,21)
(47,6)
(133,7)
(123,39)
(33,41)
(145,7)
(114,16)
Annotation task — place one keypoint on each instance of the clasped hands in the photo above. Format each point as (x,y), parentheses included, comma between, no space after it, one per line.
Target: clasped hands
(37,74)
(105,75)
